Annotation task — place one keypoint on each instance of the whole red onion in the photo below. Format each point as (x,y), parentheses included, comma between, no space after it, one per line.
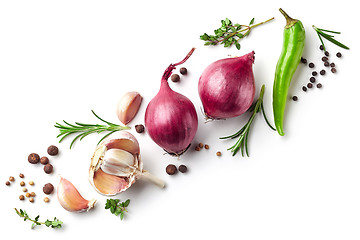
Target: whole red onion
(227,87)
(170,117)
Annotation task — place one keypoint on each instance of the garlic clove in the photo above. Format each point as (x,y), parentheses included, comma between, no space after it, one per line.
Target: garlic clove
(70,198)
(118,162)
(123,140)
(108,184)
(128,106)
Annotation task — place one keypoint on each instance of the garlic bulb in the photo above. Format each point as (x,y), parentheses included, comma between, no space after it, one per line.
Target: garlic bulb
(128,106)
(116,165)
(70,198)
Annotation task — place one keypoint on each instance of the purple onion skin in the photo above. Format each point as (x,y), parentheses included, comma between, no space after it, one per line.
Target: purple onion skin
(171,120)
(170,117)
(227,87)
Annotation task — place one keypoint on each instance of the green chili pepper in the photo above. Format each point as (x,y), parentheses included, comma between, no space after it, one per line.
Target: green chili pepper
(293,46)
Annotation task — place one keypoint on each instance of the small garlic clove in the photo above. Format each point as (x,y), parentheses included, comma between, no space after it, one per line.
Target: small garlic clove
(70,198)
(118,162)
(108,184)
(128,106)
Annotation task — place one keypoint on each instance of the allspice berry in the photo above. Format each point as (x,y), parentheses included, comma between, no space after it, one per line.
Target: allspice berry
(48,188)
(52,150)
(34,158)
(139,128)
(171,169)
(48,168)
(182,168)
(175,77)
(183,71)
(44,160)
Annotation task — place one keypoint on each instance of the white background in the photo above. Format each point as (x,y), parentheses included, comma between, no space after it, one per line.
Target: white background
(60,59)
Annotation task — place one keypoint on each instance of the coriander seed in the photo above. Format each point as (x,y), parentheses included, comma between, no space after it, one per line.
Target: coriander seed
(7,183)
(31,200)
(197,148)
(21,175)
(206,146)
(24,189)
(46,199)
(22,183)
(11,179)
(218,154)
(27,195)
(32,194)
(201,145)
(31,183)
(21,197)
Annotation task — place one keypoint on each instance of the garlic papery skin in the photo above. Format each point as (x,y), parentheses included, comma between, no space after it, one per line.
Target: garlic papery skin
(116,165)
(128,106)
(70,198)
(118,162)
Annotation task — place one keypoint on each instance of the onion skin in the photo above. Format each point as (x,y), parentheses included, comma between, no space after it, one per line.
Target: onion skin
(171,120)
(227,87)
(170,117)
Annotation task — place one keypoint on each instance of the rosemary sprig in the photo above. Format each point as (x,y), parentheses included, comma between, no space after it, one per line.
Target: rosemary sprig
(86,129)
(322,34)
(56,223)
(243,133)
(229,33)
(116,207)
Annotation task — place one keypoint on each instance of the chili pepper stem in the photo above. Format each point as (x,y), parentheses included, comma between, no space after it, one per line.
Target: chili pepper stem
(289,21)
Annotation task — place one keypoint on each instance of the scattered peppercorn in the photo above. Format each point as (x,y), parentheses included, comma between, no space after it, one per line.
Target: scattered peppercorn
(201,145)
(31,200)
(27,195)
(24,189)
(31,183)
(48,188)
(22,183)
(32,194)
(171,169)
(139,128)
(48,168)
(183,71)
(52,150)
(324,59)
(322,72)
(44,160)
(311,65)
(319,85)
(197,148)
(312,79)
(339,55)
(21,197)
(294,98)
(304,88)
(21,175)
(326,53)
(7,183)
(309,85)
(175,77)
(332,64)
(11,179)
(321,47)
(33,158)
(46,199)
(333,70)
(326,64)
(206,146)
(303,60)
(218,154)
(182,168)
(314,73)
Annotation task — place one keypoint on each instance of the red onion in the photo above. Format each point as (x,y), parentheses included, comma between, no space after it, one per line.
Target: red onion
(227,87)
(170,118)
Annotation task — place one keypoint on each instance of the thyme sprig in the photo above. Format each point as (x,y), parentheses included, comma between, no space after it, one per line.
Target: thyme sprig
(229,33)
(322,33)
(116,207)
(243,133)
(56,223)
(84,130)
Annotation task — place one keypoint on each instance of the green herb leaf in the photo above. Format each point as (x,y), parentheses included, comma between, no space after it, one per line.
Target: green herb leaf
(116,207)
(35,222)
(229,33)
(321,34)
(243,133)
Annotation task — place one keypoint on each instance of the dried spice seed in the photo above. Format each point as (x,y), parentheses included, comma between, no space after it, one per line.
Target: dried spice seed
(182,168)
(11,179)
(183,71)
(31,183)
(324,59)
(326,64)
(206,146)
(321,47)
(52,150)
(32,194)
(175,77)
(27,195)
(46,199)
(322,72)
(48,188)
(21,175)
(21,197)
(197,148)
(218,154)
(314,73)
(303,60)
(34,158)
(304,88)
(311,65)
(139,128)
(309,85)
(333,70)
(339,55)
(48,168)
(326,53)
(201,145)
(312,79)
(7,183)
(319,85)
(24,189)
(332,64)
(22,183)
(31,200)
(44,160)
(295,98)
(171,169)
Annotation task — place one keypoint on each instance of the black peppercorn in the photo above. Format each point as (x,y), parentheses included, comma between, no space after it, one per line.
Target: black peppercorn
(48,168)
(312,79)
(175,77)
(52,150)
(183,71)
(332,64)
(333,70)
(327,53)
(321,47)
(171,169)
(304,88)
(294,98)
(326,64)
(319,85)
(311,65)
(139,128)
(314,73)
(303,60)
(338,55)
(324,59)
(48,188)
(182,168)
(34,158)
(322,72)
(309,85)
